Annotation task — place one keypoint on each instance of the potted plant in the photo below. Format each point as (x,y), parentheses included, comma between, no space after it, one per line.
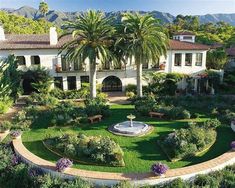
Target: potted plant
(233,125)
(5,127)
(58,68)
(159,169)
(63,164)
(16,134)
(232,145)
(162,66)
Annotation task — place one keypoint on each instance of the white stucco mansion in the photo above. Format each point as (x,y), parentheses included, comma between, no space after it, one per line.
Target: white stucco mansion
(183,56)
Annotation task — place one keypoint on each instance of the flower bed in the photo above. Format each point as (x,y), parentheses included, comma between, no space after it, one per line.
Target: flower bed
(189,142)
(98,150)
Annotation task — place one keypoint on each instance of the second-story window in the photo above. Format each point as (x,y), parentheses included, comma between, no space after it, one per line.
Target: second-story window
(178,59)
(188,59)
(65,64)
(199,59)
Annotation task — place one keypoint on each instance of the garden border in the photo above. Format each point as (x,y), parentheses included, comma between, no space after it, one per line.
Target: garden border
(106,178)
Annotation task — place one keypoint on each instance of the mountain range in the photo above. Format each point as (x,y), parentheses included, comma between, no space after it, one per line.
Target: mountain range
(58,17)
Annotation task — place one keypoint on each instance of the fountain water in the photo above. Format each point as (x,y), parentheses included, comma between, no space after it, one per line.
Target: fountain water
(130,128)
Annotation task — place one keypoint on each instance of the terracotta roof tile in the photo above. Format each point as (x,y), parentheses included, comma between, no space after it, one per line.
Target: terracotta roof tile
(13,42)
(178,45)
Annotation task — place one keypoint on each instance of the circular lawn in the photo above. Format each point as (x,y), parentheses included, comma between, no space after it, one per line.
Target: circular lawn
(139,152)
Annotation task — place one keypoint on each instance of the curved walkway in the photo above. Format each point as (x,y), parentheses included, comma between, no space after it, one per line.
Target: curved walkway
(106,178)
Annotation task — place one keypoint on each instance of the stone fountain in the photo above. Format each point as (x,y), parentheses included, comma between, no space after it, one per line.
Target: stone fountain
(130,128)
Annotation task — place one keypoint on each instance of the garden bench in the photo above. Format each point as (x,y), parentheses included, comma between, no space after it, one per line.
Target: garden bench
(156,114)
(95,118)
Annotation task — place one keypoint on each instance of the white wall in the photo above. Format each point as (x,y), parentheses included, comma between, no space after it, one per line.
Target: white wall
(49,58)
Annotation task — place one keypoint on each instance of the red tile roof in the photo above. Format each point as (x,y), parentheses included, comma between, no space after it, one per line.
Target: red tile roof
(15,42)
(178,45)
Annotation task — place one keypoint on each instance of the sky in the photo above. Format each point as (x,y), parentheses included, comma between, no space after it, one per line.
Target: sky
(175,7)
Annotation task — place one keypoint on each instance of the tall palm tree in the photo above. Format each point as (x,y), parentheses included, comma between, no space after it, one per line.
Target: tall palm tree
(145,40)
(92,37)
(43,8)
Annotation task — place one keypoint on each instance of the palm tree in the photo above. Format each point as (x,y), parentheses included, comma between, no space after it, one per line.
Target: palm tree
(43,8)
(92,37)
(145,41)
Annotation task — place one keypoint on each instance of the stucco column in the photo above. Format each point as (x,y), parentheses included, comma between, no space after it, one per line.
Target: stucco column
(65,83)
(27,60)
(78,82)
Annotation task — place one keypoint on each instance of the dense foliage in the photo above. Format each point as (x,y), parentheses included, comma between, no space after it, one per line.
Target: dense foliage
(14,174)
(149,104)
(10,78)
(15,24)
(93,149)
(188,142)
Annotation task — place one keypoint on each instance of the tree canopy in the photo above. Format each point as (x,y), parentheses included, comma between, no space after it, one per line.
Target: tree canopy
(14,24)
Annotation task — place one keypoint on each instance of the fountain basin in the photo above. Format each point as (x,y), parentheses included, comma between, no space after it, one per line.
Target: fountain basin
(125,128)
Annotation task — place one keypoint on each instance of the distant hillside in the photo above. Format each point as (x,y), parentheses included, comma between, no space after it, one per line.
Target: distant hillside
(16,24)
(59,17)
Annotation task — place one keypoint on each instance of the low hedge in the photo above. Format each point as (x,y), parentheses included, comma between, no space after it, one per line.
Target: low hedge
(90,149)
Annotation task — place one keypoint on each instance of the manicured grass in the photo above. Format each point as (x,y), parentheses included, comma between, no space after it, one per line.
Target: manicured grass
(140,152)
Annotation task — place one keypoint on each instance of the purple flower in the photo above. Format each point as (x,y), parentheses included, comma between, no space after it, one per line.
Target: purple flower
(62,164)
(159,169)
(15,160)
(15,134)
(34,172)
(232,144)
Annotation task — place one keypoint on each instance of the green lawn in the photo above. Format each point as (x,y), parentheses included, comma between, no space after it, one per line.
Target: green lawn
(140,152)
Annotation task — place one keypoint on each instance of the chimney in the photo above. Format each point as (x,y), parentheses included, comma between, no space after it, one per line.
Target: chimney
(53,36)
(2,34)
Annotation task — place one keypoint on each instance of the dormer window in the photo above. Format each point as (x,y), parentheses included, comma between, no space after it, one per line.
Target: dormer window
(184,36)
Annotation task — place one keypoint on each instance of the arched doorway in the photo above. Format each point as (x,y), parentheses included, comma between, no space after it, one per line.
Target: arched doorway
(27,87)
(111,84)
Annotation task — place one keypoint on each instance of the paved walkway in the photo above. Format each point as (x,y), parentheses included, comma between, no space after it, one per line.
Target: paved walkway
(117,98)
(227,158)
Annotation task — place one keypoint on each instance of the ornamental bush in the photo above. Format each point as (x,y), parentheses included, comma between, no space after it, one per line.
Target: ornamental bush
(5,126)
(97,106)
(212,123)
(94,149)
(159,169)
(144,105)
(185,143)
(62,164)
